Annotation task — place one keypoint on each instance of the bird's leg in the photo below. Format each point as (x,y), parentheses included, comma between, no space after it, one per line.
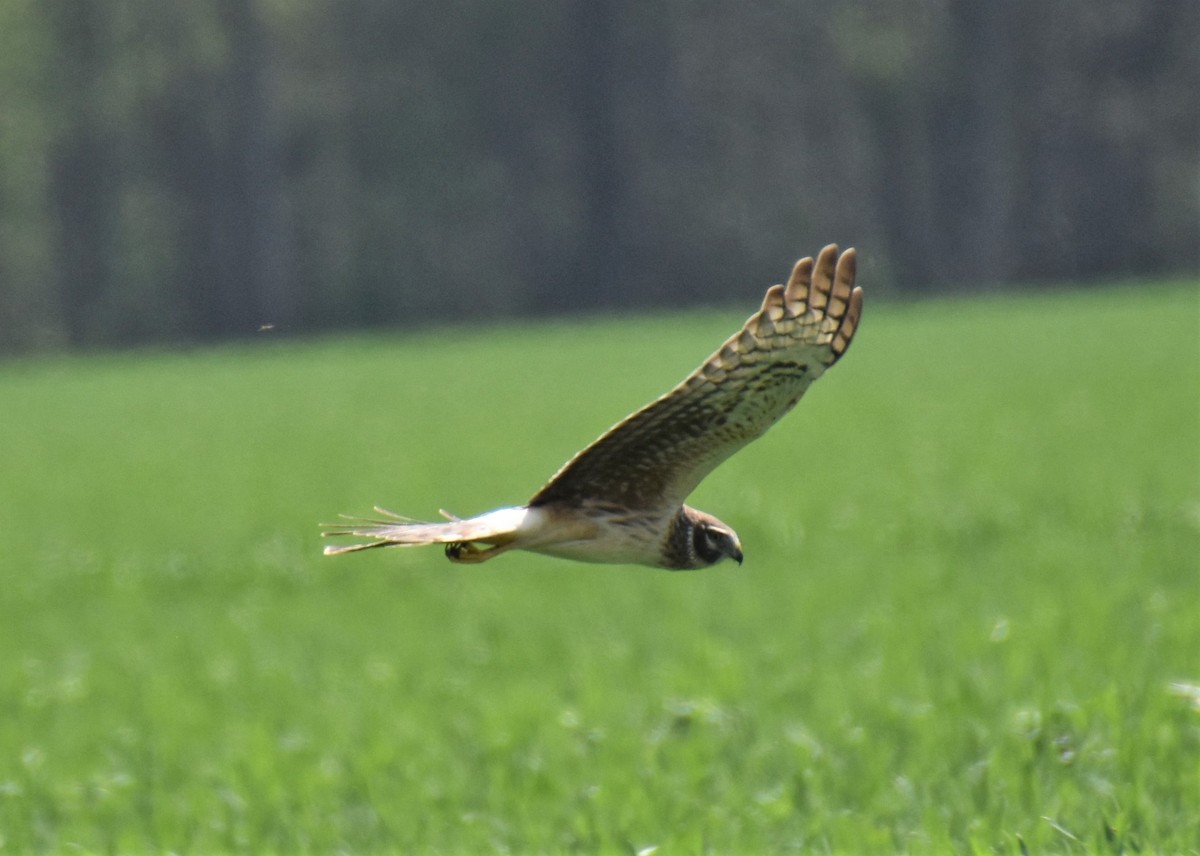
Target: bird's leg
(470,553)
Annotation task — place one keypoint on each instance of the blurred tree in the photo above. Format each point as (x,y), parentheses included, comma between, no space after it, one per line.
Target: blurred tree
(594,86)
(193,171)
(82,170)
(30,311)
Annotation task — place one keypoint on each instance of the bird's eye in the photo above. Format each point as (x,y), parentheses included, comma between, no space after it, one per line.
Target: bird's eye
(705,542)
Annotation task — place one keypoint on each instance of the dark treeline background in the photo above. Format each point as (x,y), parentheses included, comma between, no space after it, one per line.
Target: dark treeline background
(182,171)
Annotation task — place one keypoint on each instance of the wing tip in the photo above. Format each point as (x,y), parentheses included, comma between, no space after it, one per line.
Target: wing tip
(849,258)
(849,324)
(827,258)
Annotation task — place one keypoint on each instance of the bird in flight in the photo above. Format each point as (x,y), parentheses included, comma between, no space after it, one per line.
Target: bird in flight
(621,499)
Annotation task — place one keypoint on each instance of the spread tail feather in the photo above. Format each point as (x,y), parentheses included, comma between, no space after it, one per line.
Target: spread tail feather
(498,528)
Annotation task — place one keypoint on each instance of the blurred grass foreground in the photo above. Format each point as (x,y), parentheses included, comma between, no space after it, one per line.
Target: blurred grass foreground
(967,619)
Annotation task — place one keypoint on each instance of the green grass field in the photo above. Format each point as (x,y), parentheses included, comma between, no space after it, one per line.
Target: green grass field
(967,622)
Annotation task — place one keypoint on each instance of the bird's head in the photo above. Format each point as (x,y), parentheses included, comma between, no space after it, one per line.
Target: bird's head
(712,540)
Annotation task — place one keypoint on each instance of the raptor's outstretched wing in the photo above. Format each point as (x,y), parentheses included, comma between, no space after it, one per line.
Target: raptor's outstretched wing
(655,457)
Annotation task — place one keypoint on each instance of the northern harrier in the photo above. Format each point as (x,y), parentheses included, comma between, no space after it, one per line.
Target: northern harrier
(622,498)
